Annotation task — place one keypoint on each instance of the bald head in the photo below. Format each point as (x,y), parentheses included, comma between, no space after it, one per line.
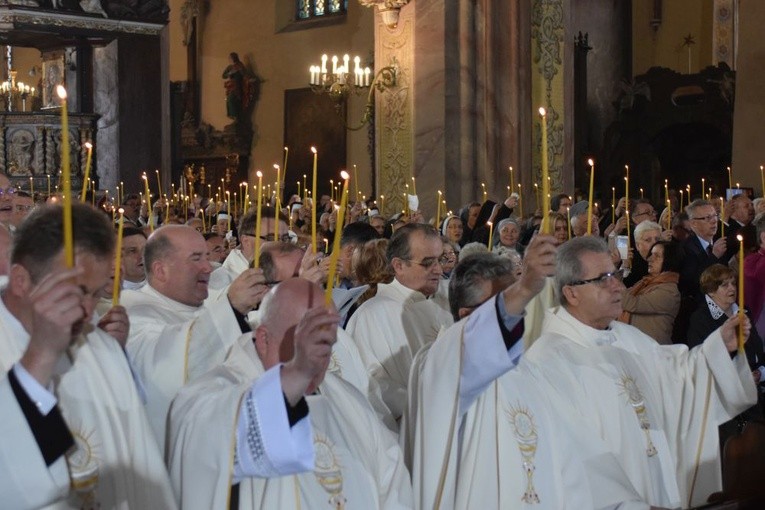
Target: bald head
(175,260)
(282,310)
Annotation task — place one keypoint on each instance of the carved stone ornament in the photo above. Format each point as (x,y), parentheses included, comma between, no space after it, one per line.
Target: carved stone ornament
(389,9)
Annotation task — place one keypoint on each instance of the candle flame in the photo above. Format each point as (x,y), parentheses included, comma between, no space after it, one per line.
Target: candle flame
(120,210)
(591,162)
(489,223)
(542,111)
(313,149)
(345,175)
(61,91)
(88,145)
(276,166)
(259,174)
(739,238)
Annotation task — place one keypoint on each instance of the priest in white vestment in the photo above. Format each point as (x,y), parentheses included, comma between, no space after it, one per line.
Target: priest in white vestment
(57,363)
(271,428)
(173,337)
(656,407)
(392,326)
(479,414)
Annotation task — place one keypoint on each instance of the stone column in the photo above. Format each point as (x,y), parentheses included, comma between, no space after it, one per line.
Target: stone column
(459,115)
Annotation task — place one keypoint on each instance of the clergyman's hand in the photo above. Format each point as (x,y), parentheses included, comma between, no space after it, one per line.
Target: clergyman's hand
(116,324)
(56,305)
(247,291)
(539,263)
(729,331)
(315,335)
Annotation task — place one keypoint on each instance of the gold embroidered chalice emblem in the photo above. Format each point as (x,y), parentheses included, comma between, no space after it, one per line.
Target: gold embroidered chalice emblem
(525,431)
(83,469)
(328,472)
(637,402)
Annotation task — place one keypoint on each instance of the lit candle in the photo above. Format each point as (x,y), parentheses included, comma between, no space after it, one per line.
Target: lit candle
(536,195)
(305,189)
(382,205)
(67,178)
(722,217)
(703,187)
(491,234)
(118,261)
(520,202)
(355,183)
(48,177)
(122,191)
(762,179)
(414,185)
(568,218)
(641,193)
(483,186)
(438,209)
(681,201)
(315,201)
(688,190)
(740,293)
(591,197)
(331,190)
(159,186)
(148,200)
(228,209)
(627,201)
(298,188)
(512,184)
(730,180)
(336,242)
(613,205)
(669,215)
(32,187)
(278,202)
(89,147)
(256,260)
(546,227)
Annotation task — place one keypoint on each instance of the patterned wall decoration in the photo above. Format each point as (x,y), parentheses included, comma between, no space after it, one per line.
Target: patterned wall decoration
(394,111)
(547,39)
(724,33)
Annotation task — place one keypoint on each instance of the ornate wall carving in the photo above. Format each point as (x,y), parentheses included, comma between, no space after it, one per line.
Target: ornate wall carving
(547,36)
(724,33)
(394,111)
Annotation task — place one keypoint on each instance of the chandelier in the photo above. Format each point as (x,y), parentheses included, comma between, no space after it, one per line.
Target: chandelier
(341,83)
(16,92)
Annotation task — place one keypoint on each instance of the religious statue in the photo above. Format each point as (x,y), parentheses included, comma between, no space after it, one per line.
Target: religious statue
(242,89)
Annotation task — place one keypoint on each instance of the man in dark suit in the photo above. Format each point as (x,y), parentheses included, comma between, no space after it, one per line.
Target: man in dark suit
(741,214)
(701,251)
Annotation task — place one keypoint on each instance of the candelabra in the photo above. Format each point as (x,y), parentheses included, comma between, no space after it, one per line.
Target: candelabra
(13,93)
(337,84)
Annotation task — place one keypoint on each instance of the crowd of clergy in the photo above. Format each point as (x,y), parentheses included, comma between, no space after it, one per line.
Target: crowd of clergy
(575,358)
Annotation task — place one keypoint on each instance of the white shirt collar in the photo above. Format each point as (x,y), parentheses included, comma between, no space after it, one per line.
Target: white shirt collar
(715,310)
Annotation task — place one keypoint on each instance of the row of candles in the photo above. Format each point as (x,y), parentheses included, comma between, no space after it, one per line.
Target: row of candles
(362,77)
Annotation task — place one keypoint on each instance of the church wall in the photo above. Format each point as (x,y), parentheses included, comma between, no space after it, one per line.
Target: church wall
(664,47)
(749,110)
(281,60)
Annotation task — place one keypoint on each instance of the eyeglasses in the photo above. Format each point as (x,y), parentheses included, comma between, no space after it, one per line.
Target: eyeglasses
(24,208)
(600,280)
(447,258)
(426,263)
(285,238)
(650,212)
(7,191)
(709,217)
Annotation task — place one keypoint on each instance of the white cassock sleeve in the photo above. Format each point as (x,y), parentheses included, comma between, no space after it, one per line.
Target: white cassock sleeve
(25,479)
(486,358)
(266,445)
